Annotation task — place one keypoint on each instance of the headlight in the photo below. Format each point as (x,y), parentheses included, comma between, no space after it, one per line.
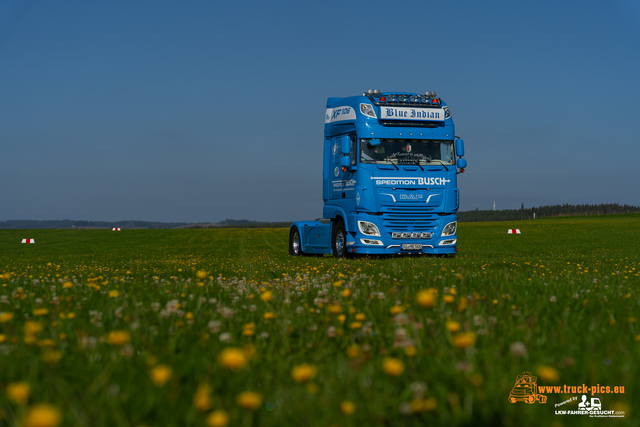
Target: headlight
(449,229)
(368,228)
(367,110)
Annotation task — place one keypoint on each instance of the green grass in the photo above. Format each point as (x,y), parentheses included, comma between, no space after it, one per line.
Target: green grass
(566,290)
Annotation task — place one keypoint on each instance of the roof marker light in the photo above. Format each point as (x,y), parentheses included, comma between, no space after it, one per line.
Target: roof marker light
(376,92)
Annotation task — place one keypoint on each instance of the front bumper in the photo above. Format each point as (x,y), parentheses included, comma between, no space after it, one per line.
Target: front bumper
(384,244)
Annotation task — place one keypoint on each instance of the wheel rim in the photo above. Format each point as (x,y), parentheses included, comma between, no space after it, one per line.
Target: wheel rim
(296,243)
(339,242)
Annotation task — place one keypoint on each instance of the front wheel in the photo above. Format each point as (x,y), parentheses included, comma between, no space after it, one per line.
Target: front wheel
(295,248)
(338,240)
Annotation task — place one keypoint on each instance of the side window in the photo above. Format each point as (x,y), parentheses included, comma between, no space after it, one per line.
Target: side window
(354,149)
(335,151)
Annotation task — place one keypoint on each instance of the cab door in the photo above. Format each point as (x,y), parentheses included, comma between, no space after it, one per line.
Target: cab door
(342,183)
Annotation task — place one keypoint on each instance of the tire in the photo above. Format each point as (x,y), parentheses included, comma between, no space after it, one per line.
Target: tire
(295,248)
(338,239)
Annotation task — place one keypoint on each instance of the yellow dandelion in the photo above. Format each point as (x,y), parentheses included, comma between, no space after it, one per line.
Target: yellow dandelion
(42,415)
(32,328)
(337,283)
(452,326)
(67,285)
(448,298)
(355,325)
(347,407)
(6,317)
(233,358)
(417,405)
(160,375)
(52,357)
(410,351)
(118,337)
(249,329)
(353,351)
(360,317)
(3,338)
(392,366)
(217,418)
(426,298)
(548,373)
(201,274)
(334,309)
(249,400)
(269,315)
(464,339)
(342,318)
(303,373)
(462,306)
(19,392)
(346,293)
(249,351)
(114,293)
(396,309)
(266,296)
(40,311)
(202,398)
(429,404)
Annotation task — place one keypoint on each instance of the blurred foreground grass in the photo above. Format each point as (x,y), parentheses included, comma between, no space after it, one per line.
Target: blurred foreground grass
(222,327)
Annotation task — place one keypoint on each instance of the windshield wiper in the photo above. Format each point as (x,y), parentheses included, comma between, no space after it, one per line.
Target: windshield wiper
(437,160)
(394,165)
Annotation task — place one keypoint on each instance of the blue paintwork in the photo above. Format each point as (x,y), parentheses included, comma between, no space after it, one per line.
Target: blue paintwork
(406,199)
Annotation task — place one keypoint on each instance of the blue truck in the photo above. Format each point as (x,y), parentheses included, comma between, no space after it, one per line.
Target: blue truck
(391,161)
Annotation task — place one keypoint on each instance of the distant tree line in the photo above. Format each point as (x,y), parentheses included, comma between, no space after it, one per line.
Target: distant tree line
(245,223)
(80,224)
(546,212)
(466,216)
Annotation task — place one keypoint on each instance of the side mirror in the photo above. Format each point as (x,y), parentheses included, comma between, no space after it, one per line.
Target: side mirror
(374,141)
(461,163)
(459,147)
(345,140)
(345,161)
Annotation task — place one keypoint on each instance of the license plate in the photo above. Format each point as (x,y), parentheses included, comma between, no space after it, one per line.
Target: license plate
(412,246)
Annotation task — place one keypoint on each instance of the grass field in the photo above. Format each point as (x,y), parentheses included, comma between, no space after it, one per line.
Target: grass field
(223,327)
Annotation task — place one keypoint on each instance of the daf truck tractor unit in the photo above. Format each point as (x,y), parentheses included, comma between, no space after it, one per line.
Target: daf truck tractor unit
(391,161)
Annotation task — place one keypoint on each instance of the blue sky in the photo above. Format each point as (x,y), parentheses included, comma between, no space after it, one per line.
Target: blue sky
(201,111)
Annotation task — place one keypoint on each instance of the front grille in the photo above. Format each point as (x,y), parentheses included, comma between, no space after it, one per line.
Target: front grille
(408,219)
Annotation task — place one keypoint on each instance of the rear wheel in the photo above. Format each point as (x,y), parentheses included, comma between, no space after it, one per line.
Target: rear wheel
(338,239)
(295,248)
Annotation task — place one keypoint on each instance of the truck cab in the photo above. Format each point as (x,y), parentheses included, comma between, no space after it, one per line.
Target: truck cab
(391,161)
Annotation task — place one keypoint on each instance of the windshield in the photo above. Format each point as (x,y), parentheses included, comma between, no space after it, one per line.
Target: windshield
(407,152)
